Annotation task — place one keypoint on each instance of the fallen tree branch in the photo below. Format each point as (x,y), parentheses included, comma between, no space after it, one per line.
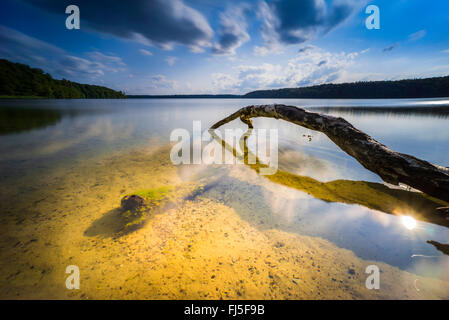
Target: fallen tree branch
(440,246)
(393,167)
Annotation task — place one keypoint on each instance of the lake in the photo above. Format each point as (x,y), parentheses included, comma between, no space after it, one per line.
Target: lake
(307,232)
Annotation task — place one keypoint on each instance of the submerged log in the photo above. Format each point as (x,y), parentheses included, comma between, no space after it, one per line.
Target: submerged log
(372,195)
(440,246)
(393,167)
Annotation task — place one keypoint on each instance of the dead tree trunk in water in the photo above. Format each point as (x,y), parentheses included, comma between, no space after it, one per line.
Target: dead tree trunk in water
(393,167)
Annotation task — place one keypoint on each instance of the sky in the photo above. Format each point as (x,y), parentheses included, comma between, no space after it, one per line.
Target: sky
(226,46)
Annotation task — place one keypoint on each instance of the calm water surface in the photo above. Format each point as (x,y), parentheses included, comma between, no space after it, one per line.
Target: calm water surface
(40,135)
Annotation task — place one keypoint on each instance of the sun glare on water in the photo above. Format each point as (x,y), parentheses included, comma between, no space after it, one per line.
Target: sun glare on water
(408,222)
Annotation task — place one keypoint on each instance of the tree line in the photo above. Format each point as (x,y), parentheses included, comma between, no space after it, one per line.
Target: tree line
(19,80)
(413,88)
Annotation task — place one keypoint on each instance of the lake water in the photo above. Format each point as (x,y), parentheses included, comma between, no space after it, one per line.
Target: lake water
(309,231)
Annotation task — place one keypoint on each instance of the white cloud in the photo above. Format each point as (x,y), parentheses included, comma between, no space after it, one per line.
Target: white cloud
(98,56)
(160,81)
(417,35)
(145,52)
(197,49)
(310,67)
(171,60)
(222,82)
(233,31)
(153,84)
(19,47)
(269,35)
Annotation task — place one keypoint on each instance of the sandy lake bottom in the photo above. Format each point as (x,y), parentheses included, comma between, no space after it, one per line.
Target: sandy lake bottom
(228,242)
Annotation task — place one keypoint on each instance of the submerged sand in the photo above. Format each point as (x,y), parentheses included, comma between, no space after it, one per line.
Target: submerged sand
(201,249)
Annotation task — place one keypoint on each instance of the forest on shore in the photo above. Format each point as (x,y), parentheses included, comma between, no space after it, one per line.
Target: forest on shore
(437,87)
(19,80)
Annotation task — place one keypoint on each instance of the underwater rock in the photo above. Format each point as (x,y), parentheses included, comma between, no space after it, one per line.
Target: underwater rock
(139,206)
(132,202)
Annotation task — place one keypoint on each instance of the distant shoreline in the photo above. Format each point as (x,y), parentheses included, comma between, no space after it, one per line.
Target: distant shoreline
(47,98)
(436,87)
(245,97)
(186,96)
(19,81)
(201,97)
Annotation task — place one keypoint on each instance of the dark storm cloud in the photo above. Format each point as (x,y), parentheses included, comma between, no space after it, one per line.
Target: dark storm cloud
(160,22)
(228,41)
(296,18)
(339,12)
(293,21)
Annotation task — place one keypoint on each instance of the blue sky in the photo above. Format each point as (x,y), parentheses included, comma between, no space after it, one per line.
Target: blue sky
(211,46)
